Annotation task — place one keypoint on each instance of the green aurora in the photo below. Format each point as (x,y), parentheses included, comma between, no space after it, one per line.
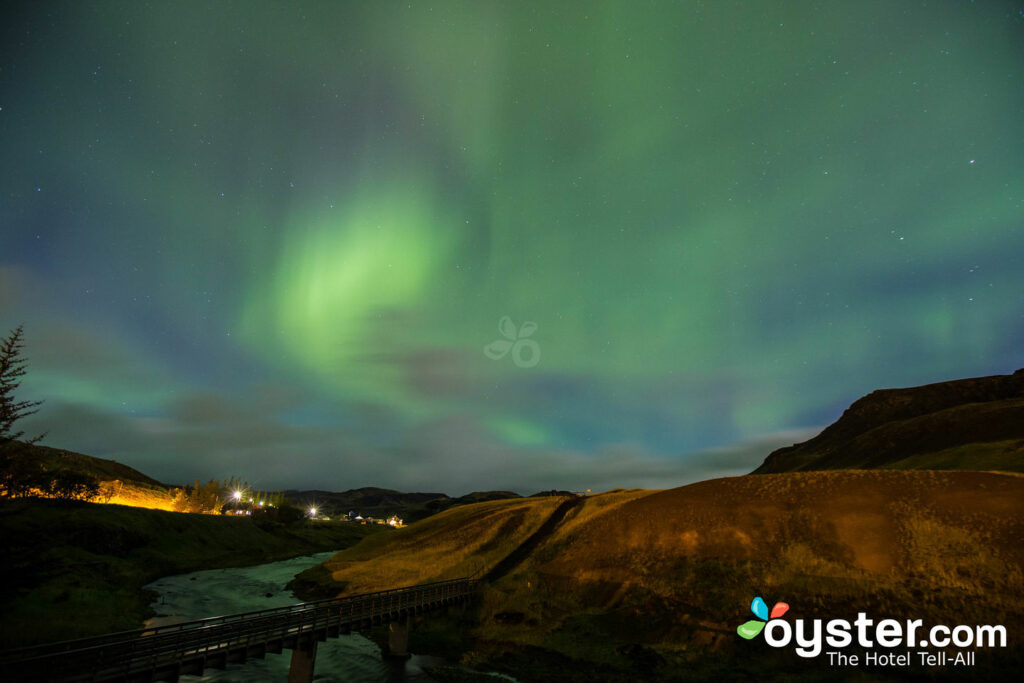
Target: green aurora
(257,239)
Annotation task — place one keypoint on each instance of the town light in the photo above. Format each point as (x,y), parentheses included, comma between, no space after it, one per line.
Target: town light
(312,512)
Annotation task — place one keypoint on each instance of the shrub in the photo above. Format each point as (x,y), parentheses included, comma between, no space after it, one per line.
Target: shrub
(70,485)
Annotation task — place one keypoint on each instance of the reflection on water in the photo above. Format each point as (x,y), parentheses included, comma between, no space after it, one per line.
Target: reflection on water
(226,591)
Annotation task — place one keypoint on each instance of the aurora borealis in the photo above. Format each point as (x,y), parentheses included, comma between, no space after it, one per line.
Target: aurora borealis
(272,240)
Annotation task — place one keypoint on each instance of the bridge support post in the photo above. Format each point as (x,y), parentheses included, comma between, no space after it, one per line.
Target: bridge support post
(303,660)
(398,638)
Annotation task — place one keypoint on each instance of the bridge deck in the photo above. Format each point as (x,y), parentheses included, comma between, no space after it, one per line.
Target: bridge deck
(166,652)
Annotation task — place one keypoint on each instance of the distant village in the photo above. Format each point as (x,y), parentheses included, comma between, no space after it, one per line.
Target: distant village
(238,504)
(392,521)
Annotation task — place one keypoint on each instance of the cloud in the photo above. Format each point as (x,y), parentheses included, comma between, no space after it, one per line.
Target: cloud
(110,397)
(630,466)
(16,288)
(210,436)
(437,372)
(456,455)
(204,437)
(745,456)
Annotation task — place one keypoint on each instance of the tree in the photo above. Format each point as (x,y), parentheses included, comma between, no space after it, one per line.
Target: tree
(12,368)
(19,474)
(289,514)
(70,485)
(198,498)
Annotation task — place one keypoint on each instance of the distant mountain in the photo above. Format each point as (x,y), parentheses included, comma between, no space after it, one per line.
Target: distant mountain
(439,504)
(376,502)
(967,424)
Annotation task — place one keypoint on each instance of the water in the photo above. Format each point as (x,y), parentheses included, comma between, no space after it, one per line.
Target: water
(211,593)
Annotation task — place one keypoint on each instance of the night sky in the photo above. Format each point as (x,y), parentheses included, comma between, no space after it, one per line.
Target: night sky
(278,240)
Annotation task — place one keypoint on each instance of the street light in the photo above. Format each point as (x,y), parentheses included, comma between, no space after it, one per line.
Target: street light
(312,512)
(237,495)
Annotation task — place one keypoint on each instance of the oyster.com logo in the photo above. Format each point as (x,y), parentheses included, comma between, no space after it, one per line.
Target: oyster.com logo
(904,641)
(751,629)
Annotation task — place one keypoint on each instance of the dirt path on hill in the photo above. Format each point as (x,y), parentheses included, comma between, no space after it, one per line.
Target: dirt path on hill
(513,559)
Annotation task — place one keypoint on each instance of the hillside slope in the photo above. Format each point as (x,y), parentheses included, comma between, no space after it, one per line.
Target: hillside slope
(462,541)
(101,468)
(654,583)
(119,483)
(968,424)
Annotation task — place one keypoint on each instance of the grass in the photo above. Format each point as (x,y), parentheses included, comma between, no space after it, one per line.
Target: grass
(100,468)
(135,494)
(652,584)
(969,436)
(455,543)
(1006,456)
(77,569)
(118,483)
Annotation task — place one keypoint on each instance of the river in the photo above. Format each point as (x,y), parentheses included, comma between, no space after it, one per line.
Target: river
(211,593)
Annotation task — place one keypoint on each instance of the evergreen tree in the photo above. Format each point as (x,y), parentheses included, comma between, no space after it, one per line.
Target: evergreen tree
(19,473)
(12,368)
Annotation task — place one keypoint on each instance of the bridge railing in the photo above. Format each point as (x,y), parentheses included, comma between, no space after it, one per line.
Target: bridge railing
(444,586)
(150,647)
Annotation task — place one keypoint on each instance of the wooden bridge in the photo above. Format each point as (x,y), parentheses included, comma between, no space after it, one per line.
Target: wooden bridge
(166,652)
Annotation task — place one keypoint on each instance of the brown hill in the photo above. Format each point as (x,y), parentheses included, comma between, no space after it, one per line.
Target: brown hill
(967,424)
(462,541)
(662,578)
(101,468)
(119,483)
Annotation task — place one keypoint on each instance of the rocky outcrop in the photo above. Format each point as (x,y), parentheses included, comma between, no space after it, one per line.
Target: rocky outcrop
(886,427)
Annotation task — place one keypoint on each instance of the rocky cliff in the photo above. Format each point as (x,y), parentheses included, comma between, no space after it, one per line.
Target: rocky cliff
(967,424)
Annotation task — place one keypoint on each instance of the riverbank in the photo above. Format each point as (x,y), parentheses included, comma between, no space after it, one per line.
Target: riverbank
(349,657)
(75,569)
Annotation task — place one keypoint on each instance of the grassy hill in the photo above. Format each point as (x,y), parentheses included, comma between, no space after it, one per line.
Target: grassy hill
(77,569)
(969,424)
(102,469)
(119,483)
(459,542)
(653,583)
